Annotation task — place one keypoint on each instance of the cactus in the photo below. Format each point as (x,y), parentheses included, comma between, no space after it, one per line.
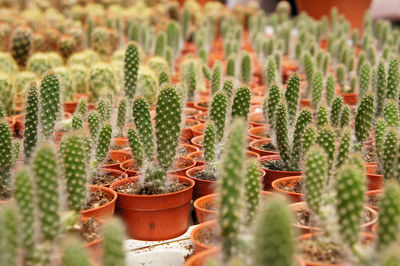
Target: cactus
(31,120)
(232,170)
(350,205)
(78,75)
(136,146)
(206,71)
(389,213)
(9,229)
(230,66)
(241,103)
(21,43)
(381,88)
(66,84)
(326,139)
(365,78)
(103,142)
(192,81)
(274,237)
(245,68)
(216,77)
(94,124)
(292,97)
(104,110)
(74,168)
(344,148)
(345,117)
(322,116)
(113,246)
(218,109)
(74,254)
(303,120)
(315,177)
(173,37)
(5,159)
(309,70)
(390,154)
(209,143)
(101,40)
(317,89)
(228,88)
(101,81)
(252,189)
(7,94)
(380,133)
(77,122)
(159,48)
(364,118)
(121,116)
(391,114)
(44,166)
(82,106)
(163,78)
(282,134)
(308,138)
(393,80)
(40,63)
(147,84)
(50,103)
(341,75)
(270,72)
(336,111)
(142,119)
(67,46)
(270,104)
(330,89)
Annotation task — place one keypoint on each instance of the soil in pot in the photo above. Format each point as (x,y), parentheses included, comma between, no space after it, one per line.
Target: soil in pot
(209,236)
(88,230)
(96,199)
(276,165)
(373,200)
(137,188)
(292,186)
(268,147)
(205,175)
(369,153)
(327,252)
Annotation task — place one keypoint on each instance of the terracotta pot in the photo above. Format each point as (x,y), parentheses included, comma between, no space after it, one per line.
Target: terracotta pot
(350,98)
(305,102)
(202,187)
(259,90)
(295,197)
(189,149)
(202,212)
(198,141)
(155,217)
(258,132)
(70,106)
(123,142)
(201,258)
(271,175)
(117,155)
(202,117)
(198,156)
(199,105)
(374,193)
(371,168)
(307,229)
(256,119)
(189,111)
(374,181)
(105,211)
(200,230)
(257,100)
(94,247)
(198,130)
(11,124)
(187,132)
(255,147)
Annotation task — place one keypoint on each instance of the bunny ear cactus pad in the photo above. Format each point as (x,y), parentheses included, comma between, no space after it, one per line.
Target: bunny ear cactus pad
(113,246)
(231,176)
(241,103)
(389,214)
(31,120)
(364,118)
(50,102)
(74,164)
(5,159)
(350,205)
(136,146)
(292,97)
(274,237)
(252,188)
(131,68)
(142,119)
(218,110)
(44,166)
(168,120)
(103,142)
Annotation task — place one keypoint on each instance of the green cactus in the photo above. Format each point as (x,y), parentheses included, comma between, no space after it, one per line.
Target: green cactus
(66,83)
(131,68)
(21,44)
(241,103)
(308,64)
(25,201)
(270,104)
(101,81)
(315,177)
(216,77)
(391,114)
(274,237)
(308,138)
(270,72)
(142,119)
(209,143)
(282,134)
(7,94)
(230,66)
(390,154)
(380,133)
(31,120)
(74,168)
(389,213)
(74,254)
(381,88)
(228,88)
(350,205)
(168,120)
(44,166)
(159,48)
(365,78)
(364,118)
(322,116)
(163,78)
(292,97)
(317,89)
(344,148)
(218,109)
(393,80)
(345,117)
(136,146)
(245,68)
(326,139)
(103,142)
(192,81)
(5,159)
(173,37)
(206,71)
(94,124)
(101,40)
(252,189)
(303,120)
(147,84)
(104,110)
(82,106)
(9,229)
(121,118)
(113,246)
(330,89)
(50,103)
(77,122)
(232,170)
(341,75)
(40,63)
(78,75)
(336,111)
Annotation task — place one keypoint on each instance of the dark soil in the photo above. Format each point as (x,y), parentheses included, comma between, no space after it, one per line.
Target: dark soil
(89,230)
(103,179)
(369,154)
(179,164)
(133,188)
(323,252)
(189,124)
(290,186)
(267,147)
(373,200)
(205,175)
(115,146)
(133,166)
(211,205)
(203,104)
(111,161)
(209,237)
(276,165)
(97,198)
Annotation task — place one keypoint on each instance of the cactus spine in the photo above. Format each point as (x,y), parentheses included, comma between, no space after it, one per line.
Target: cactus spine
(50,103)
(131,68)
(380,88)
(336,111)
(252,189)
(292,97)
(218,110)
(241,103)
(121,118)
(31,120)
(103,142)
(245,68)
(136,146)
(113,247)
(364,118)
(393,80)
(142,119)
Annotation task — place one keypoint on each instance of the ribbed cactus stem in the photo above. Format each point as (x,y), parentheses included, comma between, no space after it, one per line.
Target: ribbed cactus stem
(121,118)
(364,118)
(390,149)
(94,124)
(391,113)
(10,236)
(344,148)
(341,75)
(380,134)
(192,81)
(389,216)
(270,105)
(131,68)
(303,120)
(74,167)
(345,117)
(317,89)
(5,159)
(270,72)
(44,166)
(381,88)
(82,107)
(103,142)
(326,139)
(322,116)
(282,134)
(228,88)
(274,238)
(330,89)
(216,77)
(336,111)
(113,246)
(142,119)
(218,111)
(136,146)
(245,68)
(159,48)
(309,70)
(365,78)
(252,189)
(50,103)
(104,110)
(241,103)
(232,170)
(209,143)
(292,97)
(31,120)
(173,37)
(77,122)
(74,254)
(230,66)
(393,80)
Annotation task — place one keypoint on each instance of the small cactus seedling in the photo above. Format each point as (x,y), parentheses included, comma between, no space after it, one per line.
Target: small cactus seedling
(345,117)
(5,159)
(393,79)
(241,103)
(391,113)
(103,143)
(292,97)
(390,147)
(131,68)
(121,118)
(173,37)
(74,254)
(381,88)
(104,110)
(218,111)
(113,246)
(245,68)
(336,111)
(50,103)
(94,124)
(270,72)
(21,43)
(252,189)
(326,139)
(9,231)
(142,119)
(364,118)
(274,237)
(228,88)
(216,77)
(82,106)
(365,78)
(317,89)
(163,78)
(136,146)
(31,120)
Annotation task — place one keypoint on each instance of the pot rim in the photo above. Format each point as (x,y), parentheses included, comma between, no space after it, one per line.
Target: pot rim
(205,198)
(274,184)
(110,191)
(210,223)
(193,163)
(276,157)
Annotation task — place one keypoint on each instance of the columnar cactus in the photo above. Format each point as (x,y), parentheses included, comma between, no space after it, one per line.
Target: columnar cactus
(173,37)
(232,170)
(308,138)
(94,124)
(330,89)
(103,142)
(322,116)
(317,89)
(274,237)
(50,103)
(381,88)
(44,166)
(121,118)
(67,88)
(218,111)
(252,188)
(5,159)
(303,120)
(74,254)
(9,229)
(345,117)
(31,120)
(350,205)
(389,213)
(365,78)
(81,108)
(104,110)
(390,147)
(391,113)
(364,118)
(77,122)
(245,68)
(159,48)
(282,133)
(21,43)
(136,146)
(113,246)
(393,80)
(74,169)
(380,133)
(216,77)
(344,148)
(131,68)
(142,119)
(40,63)
(341,75)
(7,94)
(230,66)
(326,139)
(270,72)
(336,111)
(309,70)
(292,97)
(270,104)
(209,143)
(228,88)
(241,103)
(191,81)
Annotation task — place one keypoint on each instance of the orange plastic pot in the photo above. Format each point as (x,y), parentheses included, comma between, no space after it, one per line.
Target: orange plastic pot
(350,98)
(371,168)
(189,111)
(105,211)
(187,132)
(202,187)
(255,147)
(155,217)
(198,156)
(201,117)
(121,141)
(198,141)
(271,175)
(117,155)
(256,119)
(305,102)
(198,130)
(374,181)
(201,105)
(189,149)
(200,205)
(70,106)
(201,258)
(374,193)
(113,172)
(201,229)
(258,132)
(295,197)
